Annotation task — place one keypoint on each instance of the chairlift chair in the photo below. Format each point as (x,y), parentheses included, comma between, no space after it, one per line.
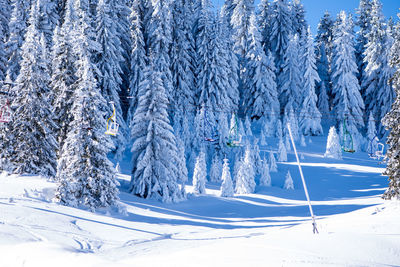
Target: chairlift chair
(379,152)
(112,125)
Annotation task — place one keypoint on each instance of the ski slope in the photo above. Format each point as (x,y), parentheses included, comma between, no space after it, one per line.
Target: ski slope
(269,228)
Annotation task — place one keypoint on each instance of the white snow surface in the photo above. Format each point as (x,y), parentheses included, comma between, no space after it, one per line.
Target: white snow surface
(271,227)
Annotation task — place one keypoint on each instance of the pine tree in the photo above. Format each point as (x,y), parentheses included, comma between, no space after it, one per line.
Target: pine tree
(282,152)
(154,173)
(290,78)
(257,158)
(265,179)
(378,92)
(279,130)
(200,174)
(48,19)
(310,119)
(212,69)
(387,95)
(245,183)
(371,136)
(303,141)
(137,57)
(31,139)
(17,28)
(299,23)
(261,96)
(181,165)
(227,185)
(272,162)
(182,53)
(333,147)
(289,185)
(215,170)
(86,176)
(159,41)
(348,104)
(247,125)
(323,101)
(390,121)
(364,23)
(108,62)
(280,31)
(324,52)
(264,22)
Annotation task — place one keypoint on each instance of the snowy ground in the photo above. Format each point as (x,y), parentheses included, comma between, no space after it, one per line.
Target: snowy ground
(269,228)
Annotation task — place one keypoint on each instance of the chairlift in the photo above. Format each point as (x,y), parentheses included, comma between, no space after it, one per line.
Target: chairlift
(112,125)
(347,142)
(5,112)
(234,138)
(377,151)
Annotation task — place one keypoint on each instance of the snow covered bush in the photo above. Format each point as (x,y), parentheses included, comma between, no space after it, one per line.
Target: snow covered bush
(245,175)
(289,185)
(200,174)
(333,147)
(265,179)
(227,185)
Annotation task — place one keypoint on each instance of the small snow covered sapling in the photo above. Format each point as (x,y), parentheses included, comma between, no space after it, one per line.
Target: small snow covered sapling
(287,142)
(265,179)
(333,147)
(303,141)
(282,153)
(200,174)
(245,176)
(247,125)
(263,142)
(273,167)
(215,171)
(289,185)
(227,184)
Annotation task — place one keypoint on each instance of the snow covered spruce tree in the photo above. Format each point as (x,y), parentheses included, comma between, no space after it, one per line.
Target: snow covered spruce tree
(31,139)
(108,61)
(200,174)
(48,19)
(17,29)
(324,45)
(348,105)
(138,55)
(333,147)
(273,167)
(265,179)
(310,118)
(378,92)
(364,23)
(154,173)
(182,63)
(290,78)
(85,175)
(289,185)
(245,183)
(63,74)
(215,170)
(227,185)
(159,38)
(261,96)
(264,21)
(391,122)
(299,24)
(280,31)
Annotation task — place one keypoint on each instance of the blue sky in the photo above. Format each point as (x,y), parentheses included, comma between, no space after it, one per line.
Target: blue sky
(316,8)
